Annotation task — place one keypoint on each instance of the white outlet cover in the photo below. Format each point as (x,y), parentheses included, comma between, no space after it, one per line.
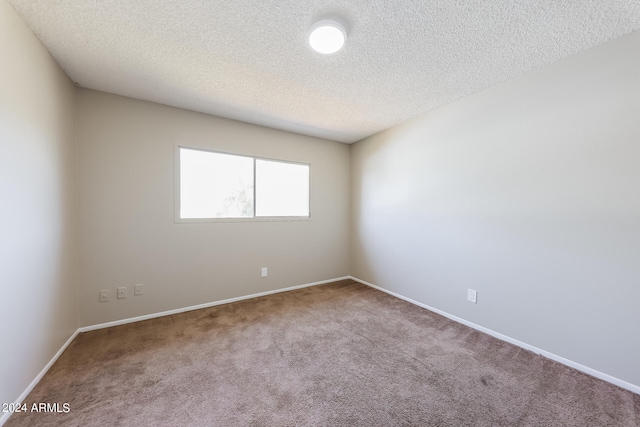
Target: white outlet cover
(137,289)
(104,295)
(264,271)
(472,295)
(122,292)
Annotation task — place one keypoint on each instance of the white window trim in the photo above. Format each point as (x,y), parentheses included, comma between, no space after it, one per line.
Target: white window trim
(176,189)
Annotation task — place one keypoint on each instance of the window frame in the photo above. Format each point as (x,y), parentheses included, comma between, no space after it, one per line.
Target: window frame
(254,218)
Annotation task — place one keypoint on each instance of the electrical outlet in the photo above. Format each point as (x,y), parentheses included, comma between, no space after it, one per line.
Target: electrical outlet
(264,271)
(122,292)
(104,295)
(472,295)
(137,289)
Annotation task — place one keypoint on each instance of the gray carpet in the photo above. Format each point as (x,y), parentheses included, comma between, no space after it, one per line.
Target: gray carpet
(340,354)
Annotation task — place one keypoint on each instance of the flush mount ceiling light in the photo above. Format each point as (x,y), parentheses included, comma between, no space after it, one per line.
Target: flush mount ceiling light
(327,36)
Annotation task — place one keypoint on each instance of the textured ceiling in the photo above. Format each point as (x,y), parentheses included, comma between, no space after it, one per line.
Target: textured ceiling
(249,60)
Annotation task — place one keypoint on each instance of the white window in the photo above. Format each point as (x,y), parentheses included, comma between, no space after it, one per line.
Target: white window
(216,185)
(282,189)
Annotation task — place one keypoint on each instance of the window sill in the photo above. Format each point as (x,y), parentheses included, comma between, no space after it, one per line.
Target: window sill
(255,219)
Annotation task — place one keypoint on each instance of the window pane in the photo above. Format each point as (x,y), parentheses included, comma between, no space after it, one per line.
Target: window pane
(214,185)
(282,189)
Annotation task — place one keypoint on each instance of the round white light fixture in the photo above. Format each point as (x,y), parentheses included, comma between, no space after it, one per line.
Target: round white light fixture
(327,36)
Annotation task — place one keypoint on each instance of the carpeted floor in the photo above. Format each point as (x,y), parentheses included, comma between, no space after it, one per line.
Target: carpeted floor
(340,354)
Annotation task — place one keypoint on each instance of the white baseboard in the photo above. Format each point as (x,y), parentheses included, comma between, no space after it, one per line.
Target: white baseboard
(608,378)
(600,375)
(5,416)
(200,306)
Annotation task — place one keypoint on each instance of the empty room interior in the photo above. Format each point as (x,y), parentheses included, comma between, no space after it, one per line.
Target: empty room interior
(320,213)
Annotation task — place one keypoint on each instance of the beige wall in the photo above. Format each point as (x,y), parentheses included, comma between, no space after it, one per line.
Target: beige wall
(38,250)
(127,228)
(528,192)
